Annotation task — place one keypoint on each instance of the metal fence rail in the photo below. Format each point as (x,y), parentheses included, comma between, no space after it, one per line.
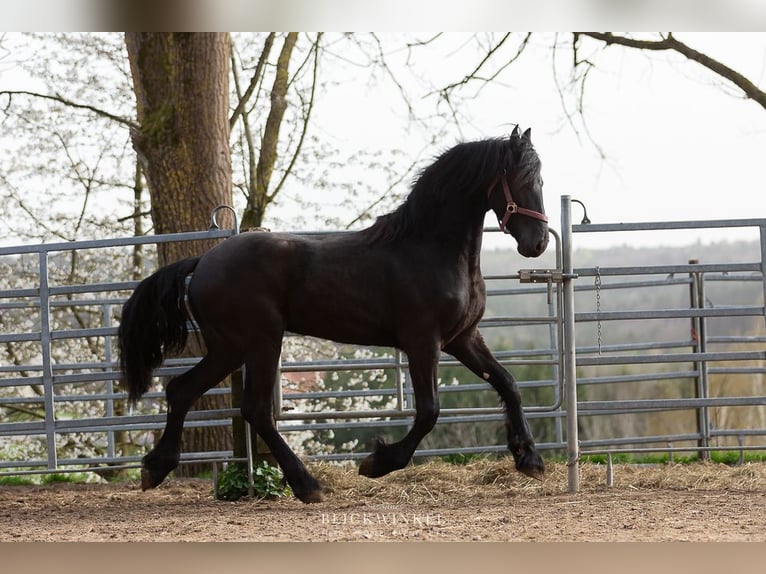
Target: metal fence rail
(92,384)
(77,393)
(689,364)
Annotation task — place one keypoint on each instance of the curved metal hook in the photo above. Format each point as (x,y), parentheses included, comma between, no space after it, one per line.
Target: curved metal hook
(585,219)
(214,222)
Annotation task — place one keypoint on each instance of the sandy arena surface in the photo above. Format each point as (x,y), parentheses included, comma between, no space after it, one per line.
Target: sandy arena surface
(481,501)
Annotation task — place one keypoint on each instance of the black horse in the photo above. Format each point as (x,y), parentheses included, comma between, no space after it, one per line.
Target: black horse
(411,281)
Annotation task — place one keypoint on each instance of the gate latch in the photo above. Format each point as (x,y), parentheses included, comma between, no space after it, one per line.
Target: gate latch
(544,276)
(549,276)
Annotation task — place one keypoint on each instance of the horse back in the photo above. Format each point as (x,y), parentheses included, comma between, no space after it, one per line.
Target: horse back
(336,287)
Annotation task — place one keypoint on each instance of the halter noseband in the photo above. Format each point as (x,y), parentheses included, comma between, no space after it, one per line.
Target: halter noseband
(511,207)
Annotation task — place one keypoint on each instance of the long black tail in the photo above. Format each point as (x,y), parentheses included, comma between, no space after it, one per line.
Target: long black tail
(153,325)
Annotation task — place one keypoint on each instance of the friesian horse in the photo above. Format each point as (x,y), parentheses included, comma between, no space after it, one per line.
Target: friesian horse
(412,280)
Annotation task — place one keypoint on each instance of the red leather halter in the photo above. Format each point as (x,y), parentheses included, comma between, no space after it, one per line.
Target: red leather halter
(511,207)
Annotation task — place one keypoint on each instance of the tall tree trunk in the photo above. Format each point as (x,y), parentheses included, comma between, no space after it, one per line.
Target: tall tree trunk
(181,81)
(182,93)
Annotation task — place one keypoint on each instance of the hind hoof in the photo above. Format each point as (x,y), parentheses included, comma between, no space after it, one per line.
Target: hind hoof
(369,467)
(311,497)
(151,479)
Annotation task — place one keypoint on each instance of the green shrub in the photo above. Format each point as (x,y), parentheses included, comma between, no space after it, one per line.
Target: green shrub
(15,481)
(267,482)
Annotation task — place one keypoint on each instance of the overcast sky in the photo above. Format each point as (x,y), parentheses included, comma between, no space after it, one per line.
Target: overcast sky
(678,143)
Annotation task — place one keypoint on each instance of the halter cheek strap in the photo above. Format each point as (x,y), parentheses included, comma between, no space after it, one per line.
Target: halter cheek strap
(511,207)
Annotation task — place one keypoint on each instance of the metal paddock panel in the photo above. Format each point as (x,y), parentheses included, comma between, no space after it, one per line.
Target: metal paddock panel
(708,380)
(59,387)
(58,397)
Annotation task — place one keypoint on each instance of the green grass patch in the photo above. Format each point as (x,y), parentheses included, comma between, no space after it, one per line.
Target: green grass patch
(37,479)
(730,457)
(16,481)
(59,477)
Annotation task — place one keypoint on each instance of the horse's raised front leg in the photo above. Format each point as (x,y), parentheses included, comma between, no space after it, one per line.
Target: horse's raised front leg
(388,457)
(258,410)
(471,350)
(181,392)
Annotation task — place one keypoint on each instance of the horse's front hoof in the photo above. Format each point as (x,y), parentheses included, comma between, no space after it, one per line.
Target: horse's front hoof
(381,461)
(530,462)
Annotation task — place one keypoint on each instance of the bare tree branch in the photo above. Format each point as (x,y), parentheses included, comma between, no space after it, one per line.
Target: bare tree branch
(402,175)
(15,195)
(254,81)
(259,197)
(580,97)
(309,107)
(71,104)
(32,413)
(670,42)
(473,75)
(249,160)
(384,64)
(419,43)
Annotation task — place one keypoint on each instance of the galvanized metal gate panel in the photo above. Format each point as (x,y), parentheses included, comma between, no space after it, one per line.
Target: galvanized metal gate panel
(563,356)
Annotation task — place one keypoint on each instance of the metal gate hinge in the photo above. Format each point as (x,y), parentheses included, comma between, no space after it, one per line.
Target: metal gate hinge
(544,276)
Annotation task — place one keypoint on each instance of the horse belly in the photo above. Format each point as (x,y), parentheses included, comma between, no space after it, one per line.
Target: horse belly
(339,314)
(342,295)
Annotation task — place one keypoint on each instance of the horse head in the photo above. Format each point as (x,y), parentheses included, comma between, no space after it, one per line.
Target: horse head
(516,196)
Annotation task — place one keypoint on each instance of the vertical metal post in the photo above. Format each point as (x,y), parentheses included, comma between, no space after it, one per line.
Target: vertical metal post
(558,337)
(107,322)
(554,331)
(238,382)
(763,262)
(703,391)
(699,335)
(250,460)
(278,397)
(406,383)
(694,303)
(399,371)
(570,365)
(47,373)
(609,470)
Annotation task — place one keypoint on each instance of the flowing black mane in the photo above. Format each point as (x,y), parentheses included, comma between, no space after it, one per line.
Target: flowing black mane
(454,186)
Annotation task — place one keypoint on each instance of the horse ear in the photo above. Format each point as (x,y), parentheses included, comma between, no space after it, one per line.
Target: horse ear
(527,134)
(515,132)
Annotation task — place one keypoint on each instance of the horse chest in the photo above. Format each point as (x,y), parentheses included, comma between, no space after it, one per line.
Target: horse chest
(463,308)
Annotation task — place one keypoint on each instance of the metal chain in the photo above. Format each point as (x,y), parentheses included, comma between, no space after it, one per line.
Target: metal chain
(597,282)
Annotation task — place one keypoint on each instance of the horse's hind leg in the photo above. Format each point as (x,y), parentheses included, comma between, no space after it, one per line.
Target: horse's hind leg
(181,392)
(258,410)
(471,350)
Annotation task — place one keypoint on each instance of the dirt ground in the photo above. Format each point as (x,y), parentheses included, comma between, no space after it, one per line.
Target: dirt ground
(480,501)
